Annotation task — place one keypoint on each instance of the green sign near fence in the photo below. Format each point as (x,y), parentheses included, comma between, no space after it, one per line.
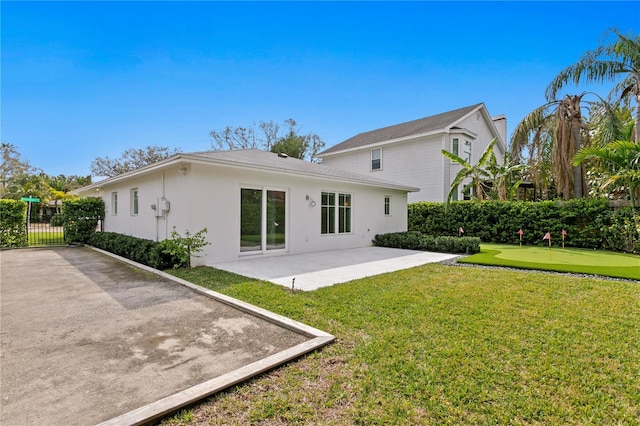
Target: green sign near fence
(30,199)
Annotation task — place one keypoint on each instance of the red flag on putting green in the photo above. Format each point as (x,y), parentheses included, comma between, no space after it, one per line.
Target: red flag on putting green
(547,236)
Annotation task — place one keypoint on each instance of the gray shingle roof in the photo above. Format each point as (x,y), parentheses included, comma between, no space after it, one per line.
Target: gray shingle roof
(256,159)
(415,127)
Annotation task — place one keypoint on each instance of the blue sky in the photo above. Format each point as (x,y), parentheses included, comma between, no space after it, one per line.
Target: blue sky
(86,79)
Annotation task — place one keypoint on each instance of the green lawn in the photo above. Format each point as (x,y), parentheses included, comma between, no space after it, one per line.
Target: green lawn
(46,238)
(444,345)
(576,260)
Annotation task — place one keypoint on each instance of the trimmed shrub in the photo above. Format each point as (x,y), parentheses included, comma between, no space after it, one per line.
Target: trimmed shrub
(584,220)
(140,250)
(80,219)
(57,220)
(623,231)
(13,217)
(413,240)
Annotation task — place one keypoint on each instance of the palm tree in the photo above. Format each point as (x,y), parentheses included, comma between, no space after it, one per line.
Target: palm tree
(620,59)
(562,124)
(622,159)
(477,172)
(531,145)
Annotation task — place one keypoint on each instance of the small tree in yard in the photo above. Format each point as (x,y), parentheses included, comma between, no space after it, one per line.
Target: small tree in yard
(185,247)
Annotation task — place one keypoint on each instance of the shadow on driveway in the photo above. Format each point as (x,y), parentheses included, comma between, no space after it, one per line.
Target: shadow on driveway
(87,338)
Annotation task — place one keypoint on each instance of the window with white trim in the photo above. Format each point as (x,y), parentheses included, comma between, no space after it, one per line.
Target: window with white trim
(387,205)
(467,151)
(336,209)
(134,202)
(376,159)
(454,146)
(114,203)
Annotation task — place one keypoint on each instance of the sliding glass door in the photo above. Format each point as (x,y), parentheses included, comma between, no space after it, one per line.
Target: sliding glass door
(250,220)
(262,220)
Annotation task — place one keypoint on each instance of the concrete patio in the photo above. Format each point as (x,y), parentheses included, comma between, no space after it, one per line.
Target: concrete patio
(315,270)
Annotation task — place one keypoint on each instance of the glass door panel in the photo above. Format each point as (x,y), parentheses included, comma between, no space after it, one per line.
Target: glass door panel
(276,225)
(250,220)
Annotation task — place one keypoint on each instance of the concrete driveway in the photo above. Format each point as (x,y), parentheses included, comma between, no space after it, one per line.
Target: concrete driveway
(86,338)
(314,270)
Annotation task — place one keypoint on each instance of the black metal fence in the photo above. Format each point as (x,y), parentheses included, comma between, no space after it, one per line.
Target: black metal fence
(43,233)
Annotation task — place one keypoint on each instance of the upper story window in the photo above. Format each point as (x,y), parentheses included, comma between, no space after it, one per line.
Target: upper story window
(454,146)
(114,203)
(376,159)
(134,202)
(467,151)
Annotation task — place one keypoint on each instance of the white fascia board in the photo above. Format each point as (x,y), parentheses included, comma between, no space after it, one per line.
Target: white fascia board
(387,142)
(464,117)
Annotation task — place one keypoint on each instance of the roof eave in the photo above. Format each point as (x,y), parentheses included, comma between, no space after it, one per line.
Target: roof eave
(189,158)
(385,142)
(124,176)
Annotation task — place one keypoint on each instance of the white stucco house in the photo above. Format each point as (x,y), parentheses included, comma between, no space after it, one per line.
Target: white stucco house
(411,152)
(253,203)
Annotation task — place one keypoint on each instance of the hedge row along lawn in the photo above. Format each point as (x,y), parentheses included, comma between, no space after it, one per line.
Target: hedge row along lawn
(575,260)
(444,345)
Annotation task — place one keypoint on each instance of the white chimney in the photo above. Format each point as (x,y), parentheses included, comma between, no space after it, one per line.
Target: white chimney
(500,121)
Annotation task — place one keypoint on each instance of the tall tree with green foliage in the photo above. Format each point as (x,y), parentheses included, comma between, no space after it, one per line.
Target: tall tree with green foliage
(12,166)
(622,162)
(130,160)
(618,61)
(561,124)
(269,136)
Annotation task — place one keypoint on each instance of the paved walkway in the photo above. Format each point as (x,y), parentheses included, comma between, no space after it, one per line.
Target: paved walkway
(86,338)
(314,270)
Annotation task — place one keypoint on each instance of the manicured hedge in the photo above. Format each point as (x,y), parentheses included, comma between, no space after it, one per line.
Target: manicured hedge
(623,232)
(413,240)
(588,222)
(13,217)
(80,219)
(139,250)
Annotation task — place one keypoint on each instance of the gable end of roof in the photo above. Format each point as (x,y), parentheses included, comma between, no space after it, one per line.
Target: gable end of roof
(398,131)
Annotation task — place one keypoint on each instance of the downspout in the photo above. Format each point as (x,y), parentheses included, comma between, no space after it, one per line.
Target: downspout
(158,206)
(166,220)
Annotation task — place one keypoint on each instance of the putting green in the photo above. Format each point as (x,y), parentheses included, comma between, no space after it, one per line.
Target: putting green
(575,260)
